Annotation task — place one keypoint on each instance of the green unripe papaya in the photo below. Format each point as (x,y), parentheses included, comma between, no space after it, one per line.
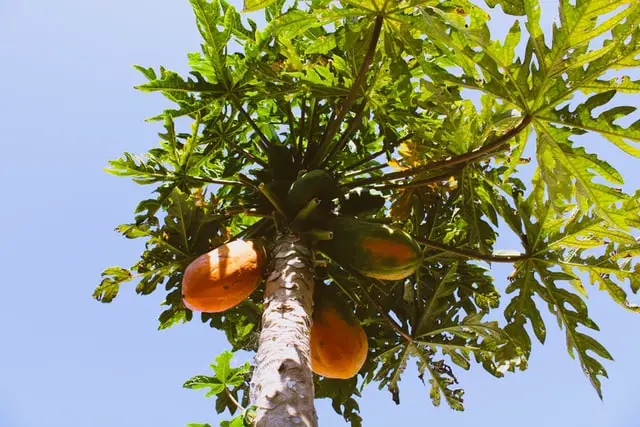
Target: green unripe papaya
(315,184)
(374,250)
(360,201)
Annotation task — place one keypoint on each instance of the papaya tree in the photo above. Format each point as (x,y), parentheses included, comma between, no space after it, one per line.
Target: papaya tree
(353,162)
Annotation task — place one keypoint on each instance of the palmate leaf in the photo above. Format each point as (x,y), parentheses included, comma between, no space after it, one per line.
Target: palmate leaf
(225,376)
(226,384)
(583,234)
(442,380)
(583,118)
(174,86)
(147,170)
(571,312)
(394,362)
(486,341)
(522,308)
(569,63)
(187,231)
(510,7)
(499,75)
(208,17)
(438,301)
(108,289)
(564,239)
(341,393)
(252,5)
(568,170)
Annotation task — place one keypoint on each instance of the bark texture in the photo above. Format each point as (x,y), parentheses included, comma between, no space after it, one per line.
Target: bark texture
(282,384)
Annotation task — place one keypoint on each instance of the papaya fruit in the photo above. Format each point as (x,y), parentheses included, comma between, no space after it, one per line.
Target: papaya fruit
(224,277)
(315,184)
(374,250)
(338,343)
(359,201)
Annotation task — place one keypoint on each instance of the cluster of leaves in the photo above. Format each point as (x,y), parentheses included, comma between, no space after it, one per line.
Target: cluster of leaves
(374,92)
(227,385)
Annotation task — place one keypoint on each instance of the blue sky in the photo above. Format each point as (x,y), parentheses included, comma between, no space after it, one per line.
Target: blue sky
(65,360)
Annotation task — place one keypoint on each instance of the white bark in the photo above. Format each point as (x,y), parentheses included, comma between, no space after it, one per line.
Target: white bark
(282,384)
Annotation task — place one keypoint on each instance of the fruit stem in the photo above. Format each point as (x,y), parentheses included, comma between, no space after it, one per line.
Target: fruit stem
(304,213)
(274,200)
(316,234)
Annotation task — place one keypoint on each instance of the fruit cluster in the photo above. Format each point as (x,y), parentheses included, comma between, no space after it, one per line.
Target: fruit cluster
(227,275)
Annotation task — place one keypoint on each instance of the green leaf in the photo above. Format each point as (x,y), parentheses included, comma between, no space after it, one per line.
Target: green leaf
(567,172)
(252,5)
(570,64)
(236,422)
(108,289)
(571,312)
(225,376)
(511,7)
(170,82)
(442,380)
(395,362)
(497,74)
(321,45)
(208,17)
(583,118)
(341,393)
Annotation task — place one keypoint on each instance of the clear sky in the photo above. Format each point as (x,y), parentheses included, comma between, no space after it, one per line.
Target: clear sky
(68,361)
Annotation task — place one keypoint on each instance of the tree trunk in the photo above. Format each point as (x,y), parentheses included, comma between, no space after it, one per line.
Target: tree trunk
(282,384)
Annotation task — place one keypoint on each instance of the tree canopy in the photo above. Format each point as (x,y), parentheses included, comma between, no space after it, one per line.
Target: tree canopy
(412,104)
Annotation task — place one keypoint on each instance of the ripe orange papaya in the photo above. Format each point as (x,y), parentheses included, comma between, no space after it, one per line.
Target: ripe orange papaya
(224,277)
(374,250)
(338,344)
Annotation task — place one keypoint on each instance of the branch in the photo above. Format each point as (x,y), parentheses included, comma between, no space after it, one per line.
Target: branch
(500,144)
(312,125)
(247,154)
(415,184)
(235,402)
(334,125)
(353,124)
(384,314)
(249,230)
(215,181)
(247,181)
(303,109)
(472,254)
(363,161)
(374,155)
(291,121)
(367,170)
(265,141)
